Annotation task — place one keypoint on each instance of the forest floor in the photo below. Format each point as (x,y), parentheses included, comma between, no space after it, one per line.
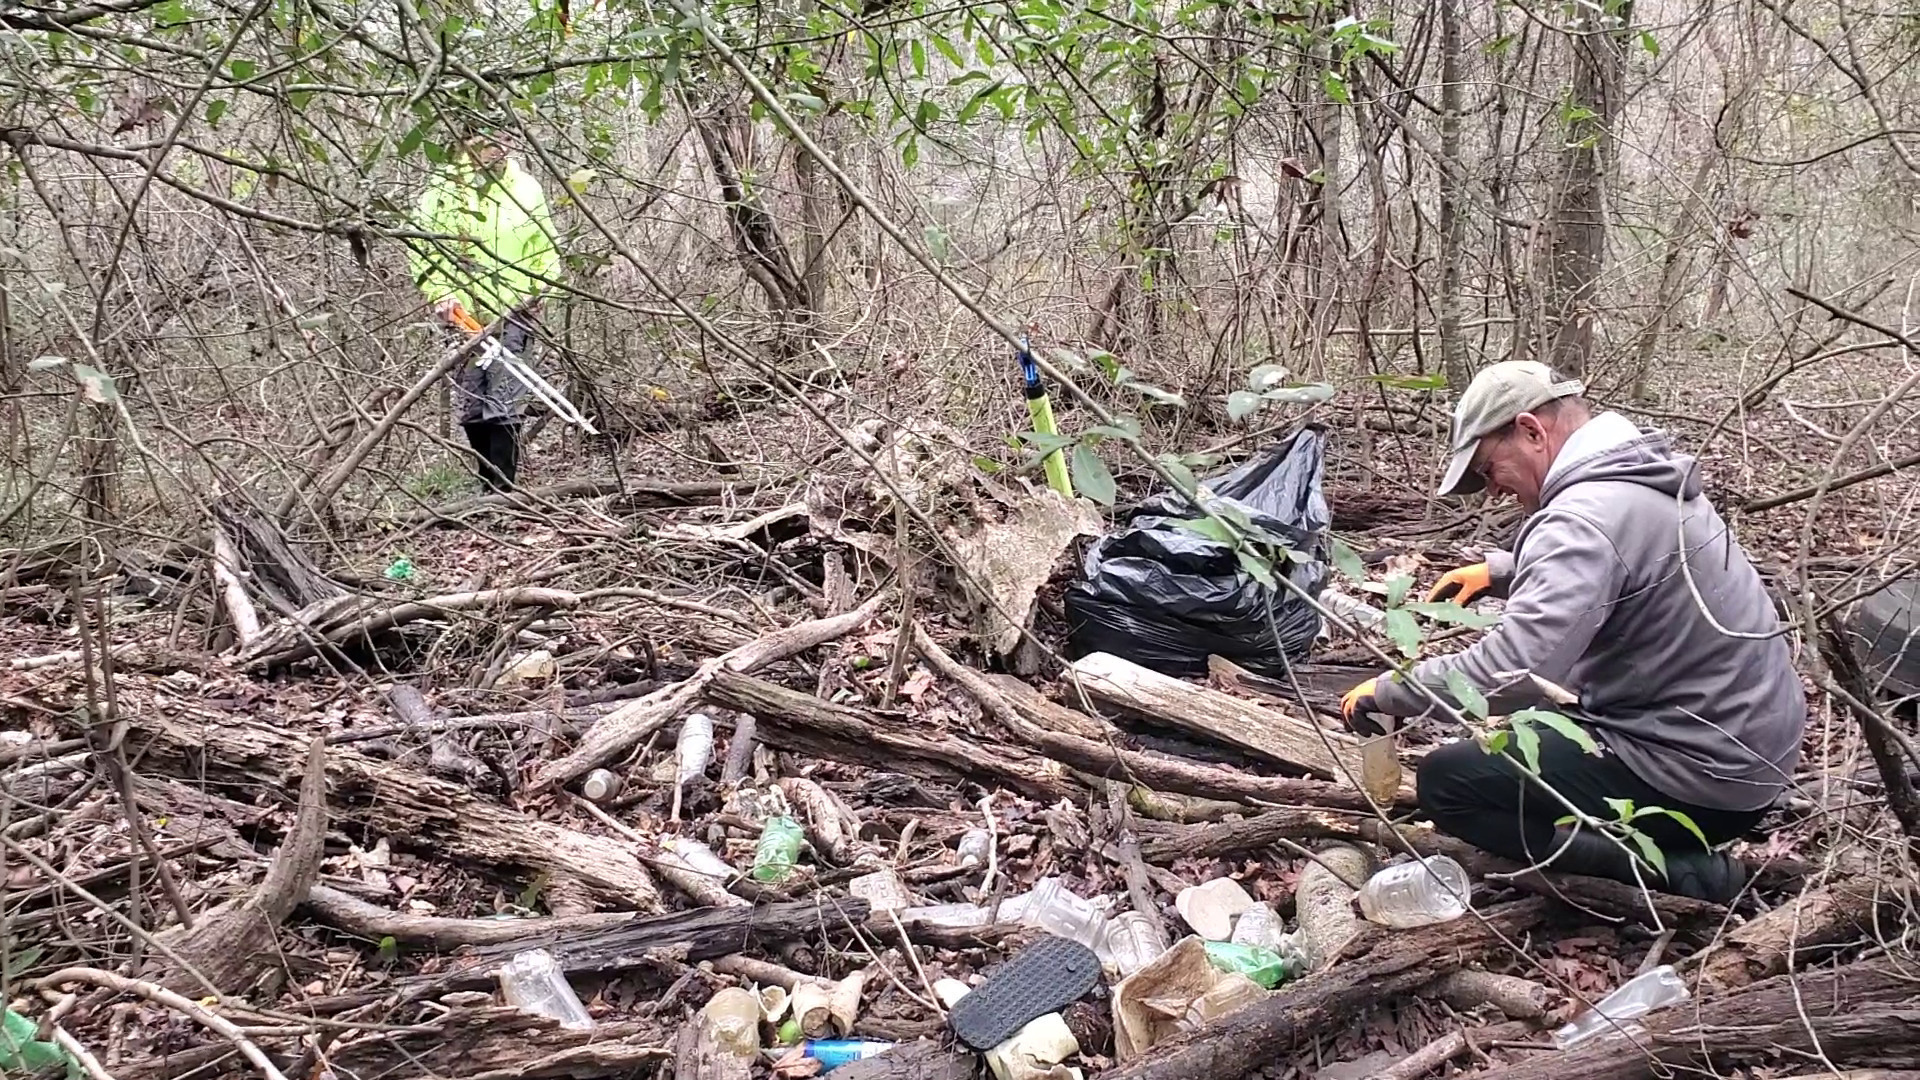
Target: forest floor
(299,849)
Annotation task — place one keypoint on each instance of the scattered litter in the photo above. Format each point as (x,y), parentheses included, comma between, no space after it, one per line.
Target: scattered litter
(974,846)
(1259,925)
(733,1015)
(830,1053)
(527,669)
(1637,997)
(533,982)
(1211,907)
(1257,962)
(881,890)
(21,1053)
(779,848)
(1178,993)
(1044,977)
(601,785)
(1419,892)
(400,569)
(1133,941)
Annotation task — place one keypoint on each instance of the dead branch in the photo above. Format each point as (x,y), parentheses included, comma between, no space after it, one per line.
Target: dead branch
(343,619)
(233,945)
(162,996)
(623,729)
(233,595)
(1826,916)
(1520,999)
(352,914)
(638,494)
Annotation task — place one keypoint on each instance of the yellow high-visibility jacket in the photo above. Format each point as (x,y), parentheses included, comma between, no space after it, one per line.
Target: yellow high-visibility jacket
(505,244)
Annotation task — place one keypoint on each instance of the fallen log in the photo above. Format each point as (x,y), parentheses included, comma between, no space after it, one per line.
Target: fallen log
(502,1044)
(233,945)
(640,494)
(803,724)
(1329,755)
(1323,902)
(347,912)
(922,1059)
(417,811)
(342,619)
(1381,965)
(1762,948)
(1163,843)
(623,729)
(1519,999)
(690,936)
(1862,1014)
(1064,738)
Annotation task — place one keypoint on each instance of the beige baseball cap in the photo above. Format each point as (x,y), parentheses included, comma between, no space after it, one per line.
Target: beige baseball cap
(1495,396)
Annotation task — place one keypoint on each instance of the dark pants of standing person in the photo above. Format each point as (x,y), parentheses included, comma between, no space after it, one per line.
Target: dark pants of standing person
(487,401)
(1485,800)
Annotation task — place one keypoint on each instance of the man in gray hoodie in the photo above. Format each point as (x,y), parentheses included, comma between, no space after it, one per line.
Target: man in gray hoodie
(1626,588)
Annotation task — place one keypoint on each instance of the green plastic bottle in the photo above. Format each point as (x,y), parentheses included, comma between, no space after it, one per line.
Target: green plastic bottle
(778,849)
(1256,962)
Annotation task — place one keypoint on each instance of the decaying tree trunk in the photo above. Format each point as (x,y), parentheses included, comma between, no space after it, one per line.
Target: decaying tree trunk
(417,811)
(233,945)
(1577,237)
(1826,916)
(1862,1014)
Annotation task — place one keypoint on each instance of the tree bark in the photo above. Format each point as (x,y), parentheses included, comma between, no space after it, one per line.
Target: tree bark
(1577,245)
(1861,1014)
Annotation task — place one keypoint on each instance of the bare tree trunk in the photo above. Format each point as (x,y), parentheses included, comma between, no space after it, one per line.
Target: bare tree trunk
(1453,360)
(727,134)
(1577,248)
(1673,273)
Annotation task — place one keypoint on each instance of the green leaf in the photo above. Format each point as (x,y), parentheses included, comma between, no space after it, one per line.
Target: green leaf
(1468,695)
(411,140)
(1172,464)
(1450,611)
(986,464)
(1649,851)
(1211,528)
(1348,562)
(947,50)
(1649,43)
(1622,808)
(1045,443)
(1404,632)
(244,69)
(919,53)
(1256,567)
(1397,587)
(809,102)
(1573,732)
(910,153)
(1090,475)
(216,109)
(1335,88)
(1154,393)
(1497,742)
(1106,362)
(1685,821)
(1267,377)
(1240,403)
(936,239)
(389,950)
(1526,743)
(95,385)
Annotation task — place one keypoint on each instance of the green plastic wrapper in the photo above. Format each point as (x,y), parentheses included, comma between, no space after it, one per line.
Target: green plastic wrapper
(778,849)
(1256,962)
(21,1053)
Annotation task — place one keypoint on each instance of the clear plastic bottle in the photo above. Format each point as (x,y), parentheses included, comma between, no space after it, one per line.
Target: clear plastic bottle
(733,1015)
(1418,893)
(1132,942)
(952,915)
(695,748)
(533,982)
(974,847)
(700,858)
(1259,925)
(1636,997)
(778,849)
(1052,907)
(600,785)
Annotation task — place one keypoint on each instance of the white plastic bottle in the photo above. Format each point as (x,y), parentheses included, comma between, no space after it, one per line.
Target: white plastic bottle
(1636,997)
(1418,893)
(533,982)
(694,750)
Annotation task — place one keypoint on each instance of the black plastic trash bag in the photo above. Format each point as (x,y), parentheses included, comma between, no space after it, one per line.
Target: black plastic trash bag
(1165,597)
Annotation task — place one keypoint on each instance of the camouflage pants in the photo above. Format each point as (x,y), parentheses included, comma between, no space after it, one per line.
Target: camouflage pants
(490,395)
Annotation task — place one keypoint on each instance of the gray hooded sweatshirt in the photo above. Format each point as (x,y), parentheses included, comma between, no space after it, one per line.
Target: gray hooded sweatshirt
(1597,603)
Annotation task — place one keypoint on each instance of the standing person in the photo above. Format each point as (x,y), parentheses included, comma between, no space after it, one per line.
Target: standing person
(1625,587)
(496,255)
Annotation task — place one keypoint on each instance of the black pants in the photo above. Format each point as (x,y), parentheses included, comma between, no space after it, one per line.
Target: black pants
(498,446)
(1483,799)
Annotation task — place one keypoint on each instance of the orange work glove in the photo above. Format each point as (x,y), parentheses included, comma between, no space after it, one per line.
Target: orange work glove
(1355,706)
(1463,585)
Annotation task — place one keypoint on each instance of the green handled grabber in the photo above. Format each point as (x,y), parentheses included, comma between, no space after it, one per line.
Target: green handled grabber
(1041,410)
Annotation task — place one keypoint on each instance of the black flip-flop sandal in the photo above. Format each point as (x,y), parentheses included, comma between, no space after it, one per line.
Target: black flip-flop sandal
(1043,978)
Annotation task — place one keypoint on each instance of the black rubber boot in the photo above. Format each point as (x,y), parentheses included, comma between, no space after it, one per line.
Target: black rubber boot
(1703,875)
